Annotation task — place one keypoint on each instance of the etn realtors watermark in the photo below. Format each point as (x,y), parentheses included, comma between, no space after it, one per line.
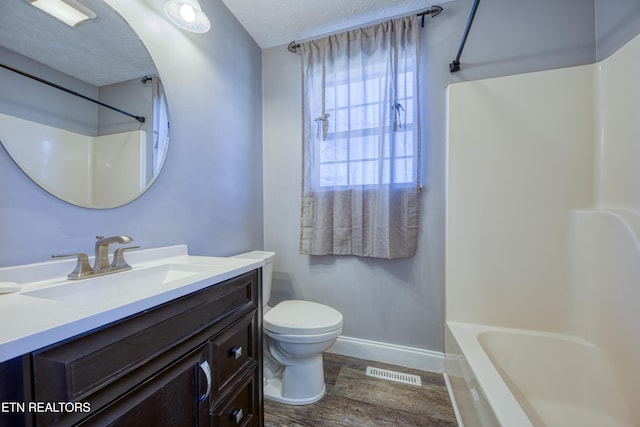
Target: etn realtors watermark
(43,407)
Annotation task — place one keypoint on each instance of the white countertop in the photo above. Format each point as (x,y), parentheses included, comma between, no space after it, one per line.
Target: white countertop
(29,323)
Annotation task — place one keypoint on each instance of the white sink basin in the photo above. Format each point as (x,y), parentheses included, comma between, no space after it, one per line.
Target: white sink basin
(127,284)
(50,308)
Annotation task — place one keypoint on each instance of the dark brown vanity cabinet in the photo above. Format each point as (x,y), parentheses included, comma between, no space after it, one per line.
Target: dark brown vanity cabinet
(194,361)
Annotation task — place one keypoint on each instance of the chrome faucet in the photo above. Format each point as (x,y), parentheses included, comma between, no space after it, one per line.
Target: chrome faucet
(101,265)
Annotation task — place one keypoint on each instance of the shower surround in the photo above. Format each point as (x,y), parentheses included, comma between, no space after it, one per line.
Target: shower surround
(543,244)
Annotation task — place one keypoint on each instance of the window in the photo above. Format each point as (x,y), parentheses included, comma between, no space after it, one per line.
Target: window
(361,142)
(363,147)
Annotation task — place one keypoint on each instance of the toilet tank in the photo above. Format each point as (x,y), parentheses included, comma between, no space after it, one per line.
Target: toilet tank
(267,270)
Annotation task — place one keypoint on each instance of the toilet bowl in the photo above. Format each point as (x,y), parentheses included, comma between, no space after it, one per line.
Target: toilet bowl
(296,333)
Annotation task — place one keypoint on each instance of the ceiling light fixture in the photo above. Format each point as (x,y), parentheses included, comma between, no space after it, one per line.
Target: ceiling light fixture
(187,14)
(71,12)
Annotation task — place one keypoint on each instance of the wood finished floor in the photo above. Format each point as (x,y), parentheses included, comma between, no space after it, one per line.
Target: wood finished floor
(353,399)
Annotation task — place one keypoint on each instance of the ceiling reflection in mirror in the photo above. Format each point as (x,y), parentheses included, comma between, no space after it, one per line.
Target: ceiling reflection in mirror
(75,147)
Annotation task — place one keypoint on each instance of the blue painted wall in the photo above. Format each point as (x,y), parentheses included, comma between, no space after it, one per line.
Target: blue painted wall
(209,193)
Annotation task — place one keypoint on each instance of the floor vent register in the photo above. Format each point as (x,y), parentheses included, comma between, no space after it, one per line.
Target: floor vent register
(399,377)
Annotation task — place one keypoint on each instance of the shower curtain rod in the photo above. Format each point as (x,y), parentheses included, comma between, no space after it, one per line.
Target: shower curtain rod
(455,65)
(64,89)
(434,11)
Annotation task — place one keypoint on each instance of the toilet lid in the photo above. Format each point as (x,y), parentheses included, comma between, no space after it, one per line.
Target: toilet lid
(302,318)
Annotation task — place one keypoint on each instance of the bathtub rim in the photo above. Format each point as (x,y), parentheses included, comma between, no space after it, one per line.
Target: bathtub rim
(503,403)
(501,400)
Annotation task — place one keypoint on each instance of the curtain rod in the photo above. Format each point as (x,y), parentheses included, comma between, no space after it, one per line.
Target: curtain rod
(434,11)
(64,89)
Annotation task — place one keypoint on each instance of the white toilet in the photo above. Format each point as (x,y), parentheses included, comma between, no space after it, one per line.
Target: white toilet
(296,333)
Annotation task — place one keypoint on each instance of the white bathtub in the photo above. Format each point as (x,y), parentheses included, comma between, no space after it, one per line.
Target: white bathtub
(518,378)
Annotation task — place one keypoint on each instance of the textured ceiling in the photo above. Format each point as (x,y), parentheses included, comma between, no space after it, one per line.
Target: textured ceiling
(278,22)
(106,50)
(100,52)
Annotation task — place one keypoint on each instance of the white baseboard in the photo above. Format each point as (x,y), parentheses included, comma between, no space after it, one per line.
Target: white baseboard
(410,357)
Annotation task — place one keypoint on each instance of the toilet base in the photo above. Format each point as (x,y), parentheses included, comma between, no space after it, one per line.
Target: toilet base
(300,383)
(273,391)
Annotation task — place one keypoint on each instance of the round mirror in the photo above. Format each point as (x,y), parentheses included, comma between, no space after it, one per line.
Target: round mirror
(82,108)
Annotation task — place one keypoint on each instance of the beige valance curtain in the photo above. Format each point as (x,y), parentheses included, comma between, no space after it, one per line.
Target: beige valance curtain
(361,142)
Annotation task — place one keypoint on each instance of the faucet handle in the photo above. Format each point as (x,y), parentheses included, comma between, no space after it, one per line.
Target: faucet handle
(82,265)
(118,257)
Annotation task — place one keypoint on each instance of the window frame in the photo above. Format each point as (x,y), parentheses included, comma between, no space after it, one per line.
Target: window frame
(406,126)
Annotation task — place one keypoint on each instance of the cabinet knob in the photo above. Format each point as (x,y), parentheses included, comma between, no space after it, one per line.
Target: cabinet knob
(235,352)
(237,415)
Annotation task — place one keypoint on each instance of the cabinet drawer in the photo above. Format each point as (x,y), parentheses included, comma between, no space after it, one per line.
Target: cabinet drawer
(233,351)
(124,353)
(241,407)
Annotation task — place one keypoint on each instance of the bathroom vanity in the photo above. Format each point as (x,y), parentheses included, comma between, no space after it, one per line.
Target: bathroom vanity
(192,360)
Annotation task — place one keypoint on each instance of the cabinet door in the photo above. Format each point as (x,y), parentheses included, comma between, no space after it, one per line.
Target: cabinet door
(178,396)
(15,383)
